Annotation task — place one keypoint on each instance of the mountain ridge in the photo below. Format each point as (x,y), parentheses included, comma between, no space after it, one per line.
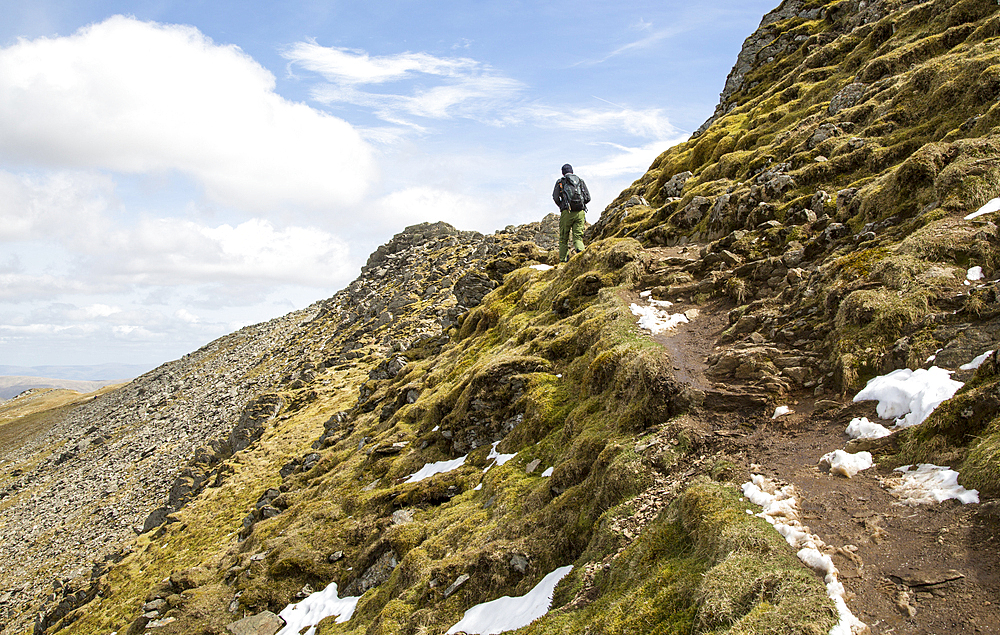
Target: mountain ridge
(96,372)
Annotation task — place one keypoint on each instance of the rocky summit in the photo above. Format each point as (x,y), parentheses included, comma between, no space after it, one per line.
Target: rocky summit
(667,434)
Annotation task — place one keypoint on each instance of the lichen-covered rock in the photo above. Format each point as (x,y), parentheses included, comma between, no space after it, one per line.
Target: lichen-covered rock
(263,623)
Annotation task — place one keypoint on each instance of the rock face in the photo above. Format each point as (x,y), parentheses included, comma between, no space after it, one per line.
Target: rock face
(769,43)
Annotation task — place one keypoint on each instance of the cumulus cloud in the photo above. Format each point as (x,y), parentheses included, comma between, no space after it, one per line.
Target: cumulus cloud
(171,252)
(62,204)
(425,203)
(19,286)
(139,97)
(70,215)
(67,323)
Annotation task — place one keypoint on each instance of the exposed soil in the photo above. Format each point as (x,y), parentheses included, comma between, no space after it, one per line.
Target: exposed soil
(920,570)
(923,569)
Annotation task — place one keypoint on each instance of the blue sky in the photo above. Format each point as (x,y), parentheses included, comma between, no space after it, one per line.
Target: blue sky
(171,171)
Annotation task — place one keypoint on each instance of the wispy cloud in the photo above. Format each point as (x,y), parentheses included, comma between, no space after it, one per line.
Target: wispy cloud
(352,66)
(647,123)
(420,89)
(651,40)
(423,86)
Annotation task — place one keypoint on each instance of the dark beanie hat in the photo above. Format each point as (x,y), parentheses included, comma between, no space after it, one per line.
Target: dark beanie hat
(567,169)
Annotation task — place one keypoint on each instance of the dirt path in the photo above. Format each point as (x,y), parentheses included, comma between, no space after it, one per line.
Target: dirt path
(924,569)
(930,569)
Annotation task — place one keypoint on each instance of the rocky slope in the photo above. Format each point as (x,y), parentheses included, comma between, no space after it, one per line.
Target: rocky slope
(80,488)
(812,234)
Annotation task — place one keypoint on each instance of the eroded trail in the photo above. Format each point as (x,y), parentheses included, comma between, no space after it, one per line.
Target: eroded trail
(907,569)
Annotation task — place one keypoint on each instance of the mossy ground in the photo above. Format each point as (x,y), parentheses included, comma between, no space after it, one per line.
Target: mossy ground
(558,352)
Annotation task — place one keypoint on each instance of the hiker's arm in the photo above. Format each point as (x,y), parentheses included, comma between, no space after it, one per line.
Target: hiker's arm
(586,192)
(557,195)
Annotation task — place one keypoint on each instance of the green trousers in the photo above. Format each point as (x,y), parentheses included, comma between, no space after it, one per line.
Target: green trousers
(571,222)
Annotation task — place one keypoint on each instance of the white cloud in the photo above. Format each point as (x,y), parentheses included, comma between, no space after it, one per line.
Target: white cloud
(139,97)
(60,204)
(99,311)
(186,316)
(20,287)
(449,88)
(424,203)
(459,86)
(172,252)
(66,221)
(350,66)
(648,123)
(629,160)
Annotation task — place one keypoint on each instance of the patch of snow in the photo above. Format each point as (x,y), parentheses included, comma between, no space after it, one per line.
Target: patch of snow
(656,321)
(781,411)
(646,294)
(666,304)
(541,267)
(500,459)
(781,509)
(548,472)
(507,613)
(976,362)
(926,483)
(864,429)
(909,396)
(990,207)
(477,487)
(430,469)
(845,463)
(975,273)
(314,608)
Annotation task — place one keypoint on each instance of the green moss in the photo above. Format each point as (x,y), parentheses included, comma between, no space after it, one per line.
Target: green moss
(859,264)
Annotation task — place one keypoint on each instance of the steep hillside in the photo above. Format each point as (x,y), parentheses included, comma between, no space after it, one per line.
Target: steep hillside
(465,422)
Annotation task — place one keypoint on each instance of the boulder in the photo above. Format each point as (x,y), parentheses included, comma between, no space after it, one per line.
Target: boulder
(675,185)
(265,623)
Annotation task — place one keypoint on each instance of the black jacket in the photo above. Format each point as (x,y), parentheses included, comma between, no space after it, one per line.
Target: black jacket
(559,196)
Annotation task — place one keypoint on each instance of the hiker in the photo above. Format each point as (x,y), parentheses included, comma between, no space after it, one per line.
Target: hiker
(571,195)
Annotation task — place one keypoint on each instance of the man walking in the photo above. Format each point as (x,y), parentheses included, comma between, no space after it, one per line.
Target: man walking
(571,195)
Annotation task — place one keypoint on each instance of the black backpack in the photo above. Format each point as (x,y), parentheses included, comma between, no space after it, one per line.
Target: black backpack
(573,192)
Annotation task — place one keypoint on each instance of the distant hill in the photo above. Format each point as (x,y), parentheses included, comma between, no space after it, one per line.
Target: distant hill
(98,372)
(16,379)
(11,386)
